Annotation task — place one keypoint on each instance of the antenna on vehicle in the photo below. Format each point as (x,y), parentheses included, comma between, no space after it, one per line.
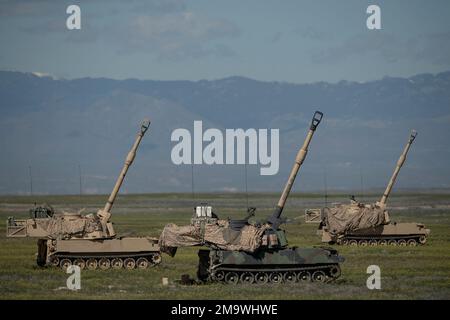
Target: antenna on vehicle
(192,183)
(325,185)
(362,183)
(246,187)
(81,185)
(31,180)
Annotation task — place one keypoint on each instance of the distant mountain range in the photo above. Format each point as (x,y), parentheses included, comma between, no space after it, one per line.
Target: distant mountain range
(56,127)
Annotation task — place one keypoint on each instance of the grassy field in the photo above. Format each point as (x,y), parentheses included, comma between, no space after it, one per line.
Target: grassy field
(407,273)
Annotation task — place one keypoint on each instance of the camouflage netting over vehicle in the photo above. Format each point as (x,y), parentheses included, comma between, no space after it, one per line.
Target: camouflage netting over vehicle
(356,216)
(240,251)
(359,224)
(216,234)
(69,225)
(87,240)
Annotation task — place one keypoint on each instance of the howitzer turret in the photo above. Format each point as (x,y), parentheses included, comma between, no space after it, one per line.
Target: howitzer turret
(369,224)
(253,253)
(88,241)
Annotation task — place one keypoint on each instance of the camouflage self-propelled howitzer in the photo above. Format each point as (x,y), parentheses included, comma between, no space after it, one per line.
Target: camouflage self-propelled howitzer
(88,241)
(241,252)
(369,224)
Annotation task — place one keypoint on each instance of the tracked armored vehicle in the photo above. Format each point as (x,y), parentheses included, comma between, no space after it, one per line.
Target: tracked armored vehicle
(88,241)
(241,252)
(370,224)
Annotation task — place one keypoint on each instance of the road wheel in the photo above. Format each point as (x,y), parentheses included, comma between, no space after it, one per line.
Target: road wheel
(412,242)
(219,275)
(91,264)
(117,263)
(402,242)
(247,277)
(392,242)
(156,259)
(290,277)
(65,263)
(261,278)
(335,271)
(80,262)
(104,264)
(129,263)
(142,263)
(319,276)
(54,261)
(231,278)
(353,243)
(304,276)
(344,242)
(363,243)
(382,242)
(275,277)
(373,243)
(422,239)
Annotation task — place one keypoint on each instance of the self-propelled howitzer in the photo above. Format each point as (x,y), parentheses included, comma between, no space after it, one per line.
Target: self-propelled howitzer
(90,240)
(273,261)
(253,253)
(369,224)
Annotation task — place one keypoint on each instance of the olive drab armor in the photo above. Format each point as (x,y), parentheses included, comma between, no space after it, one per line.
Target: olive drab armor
(240,251)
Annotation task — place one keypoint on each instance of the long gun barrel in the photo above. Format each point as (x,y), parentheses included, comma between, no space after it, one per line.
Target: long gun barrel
(274,219)
(400,163)
(128,161)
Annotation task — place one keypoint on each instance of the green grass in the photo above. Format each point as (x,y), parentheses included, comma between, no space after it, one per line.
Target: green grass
(407,273)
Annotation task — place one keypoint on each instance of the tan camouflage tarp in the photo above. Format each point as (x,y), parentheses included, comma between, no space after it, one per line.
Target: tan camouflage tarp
(60,226)
(217,235)
(346,218)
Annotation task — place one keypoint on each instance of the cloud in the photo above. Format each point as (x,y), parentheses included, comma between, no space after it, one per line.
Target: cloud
(434,48)
(442,119)
(26,8)
(383,44)
(97,177)
(166,30)
(73,134)
(157,6)
(358,123)
(276,37)
(177,36)
(221,50)
(313,34)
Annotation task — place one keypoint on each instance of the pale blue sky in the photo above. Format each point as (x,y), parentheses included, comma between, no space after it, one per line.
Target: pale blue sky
(294,41)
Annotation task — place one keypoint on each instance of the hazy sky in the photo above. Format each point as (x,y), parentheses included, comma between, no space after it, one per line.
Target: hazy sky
(295,41)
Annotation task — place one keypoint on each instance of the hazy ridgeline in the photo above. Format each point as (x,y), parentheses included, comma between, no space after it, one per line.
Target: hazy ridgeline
(58,127)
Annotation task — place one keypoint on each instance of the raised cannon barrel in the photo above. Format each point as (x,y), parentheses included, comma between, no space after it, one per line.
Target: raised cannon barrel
(105,214)
(274,219)
(400,162)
